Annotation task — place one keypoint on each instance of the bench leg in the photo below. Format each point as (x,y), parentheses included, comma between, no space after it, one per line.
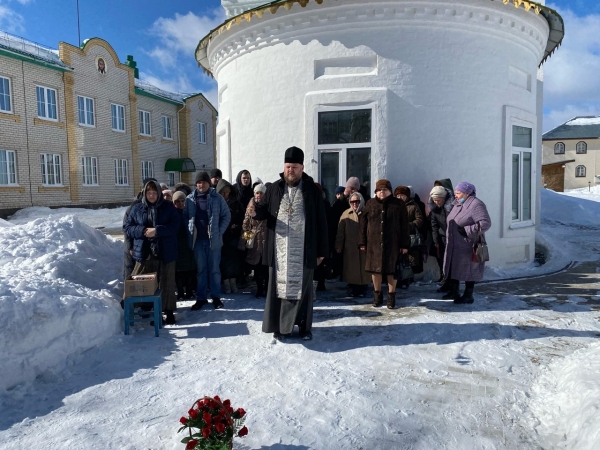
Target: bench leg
(126,317)
(157,318)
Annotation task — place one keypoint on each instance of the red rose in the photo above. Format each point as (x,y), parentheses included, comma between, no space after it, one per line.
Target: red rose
(243,431)
(191,444)
(240,412)
(193,413)
(206,432)
(217,398)
(183,421)
(207,418)
(226,403)
(220,428)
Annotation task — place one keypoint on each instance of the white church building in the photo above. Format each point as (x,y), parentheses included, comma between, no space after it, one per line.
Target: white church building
(408,90)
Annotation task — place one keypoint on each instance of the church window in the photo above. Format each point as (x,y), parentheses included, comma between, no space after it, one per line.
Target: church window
(522,165)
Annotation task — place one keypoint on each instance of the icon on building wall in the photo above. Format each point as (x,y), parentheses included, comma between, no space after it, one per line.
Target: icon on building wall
(101,65)
(200,105)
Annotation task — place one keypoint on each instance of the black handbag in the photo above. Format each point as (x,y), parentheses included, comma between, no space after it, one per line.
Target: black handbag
(416,241)
(480,249)
(403,269)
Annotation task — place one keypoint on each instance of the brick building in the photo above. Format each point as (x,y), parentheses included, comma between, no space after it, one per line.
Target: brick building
(77,127)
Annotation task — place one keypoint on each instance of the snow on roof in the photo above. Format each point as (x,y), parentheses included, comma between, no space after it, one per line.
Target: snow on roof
(178,97)
(589,120)
(29,48)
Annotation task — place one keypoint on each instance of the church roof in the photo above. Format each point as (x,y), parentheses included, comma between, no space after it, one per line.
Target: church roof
(581,127)
(555,22)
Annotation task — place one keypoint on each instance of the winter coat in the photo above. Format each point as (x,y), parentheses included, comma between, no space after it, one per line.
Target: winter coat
(218,218)
(438,218)
(185,255)
(254,254)
(243,193)
(383,231)
(347,241)
(457,261)
(231,257)
(415,222)
(166,221)
(316,244)
(128,261)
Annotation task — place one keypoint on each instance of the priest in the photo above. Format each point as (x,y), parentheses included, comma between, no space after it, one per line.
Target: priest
(295,244)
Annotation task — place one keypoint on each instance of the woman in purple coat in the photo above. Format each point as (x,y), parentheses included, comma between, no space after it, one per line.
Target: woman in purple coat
(467,217)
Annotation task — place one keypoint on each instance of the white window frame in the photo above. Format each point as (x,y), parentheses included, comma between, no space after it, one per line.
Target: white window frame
(89,111)
(559,148)
(45,104)
(201,132)
(7,96)
(8,168)
(167,123)
(581,148)
(117,117)
(147,169)
(580,171)
(144,119)
(51,164)
(171,176)
(89,171)
(121,174)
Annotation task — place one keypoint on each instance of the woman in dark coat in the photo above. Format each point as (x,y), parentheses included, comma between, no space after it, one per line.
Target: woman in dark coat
(415,222)
(440,205)
(384,236)
(468,218)
(243,187)
(185,268)
(254,254)
(231,258)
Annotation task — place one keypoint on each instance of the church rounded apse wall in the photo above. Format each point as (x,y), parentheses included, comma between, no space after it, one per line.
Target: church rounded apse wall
(412,91)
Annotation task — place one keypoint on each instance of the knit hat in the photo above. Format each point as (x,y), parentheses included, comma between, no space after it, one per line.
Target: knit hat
(214,173)
(167,191)
(353,182)
(383,184)
(339,190)
(163,186)
(260,188)
(438,191)
(203,176)
(178,195)
(294,155)
(466,187)
(405,190)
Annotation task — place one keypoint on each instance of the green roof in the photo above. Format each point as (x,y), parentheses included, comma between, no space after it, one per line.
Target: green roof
(180,165)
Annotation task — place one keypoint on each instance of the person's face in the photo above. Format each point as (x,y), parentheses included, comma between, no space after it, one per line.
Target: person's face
(101,64)
(354,203)
(292,172)
(215,180)
(151,195)
(225,193)
(339,195)
(402,197)
(258,196)
(439,201)
(383,193)
(352,190)
(458,195)
(245,179)
(203,186)
(167,196)
(179,203)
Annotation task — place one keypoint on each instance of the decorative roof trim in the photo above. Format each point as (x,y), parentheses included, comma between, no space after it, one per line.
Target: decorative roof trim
(555,22)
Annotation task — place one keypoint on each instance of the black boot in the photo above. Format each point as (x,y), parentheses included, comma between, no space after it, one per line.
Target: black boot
(260,289)
(170,319)
(377,298)
(391,301)
(453,293)
(467,296)
(199,304)
(444,287)
(179,284)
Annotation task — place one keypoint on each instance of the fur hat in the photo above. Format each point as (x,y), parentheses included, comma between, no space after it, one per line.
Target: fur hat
(178,195)
(214,173)
(405,190)
(383,184)
(202,176)
(438,191)
(260,188)
(353,182)
(294,155)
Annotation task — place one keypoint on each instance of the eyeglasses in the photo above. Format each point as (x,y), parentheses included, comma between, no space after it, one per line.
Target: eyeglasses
(354,201)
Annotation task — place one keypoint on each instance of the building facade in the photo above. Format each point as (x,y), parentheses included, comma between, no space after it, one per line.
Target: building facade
(78,128)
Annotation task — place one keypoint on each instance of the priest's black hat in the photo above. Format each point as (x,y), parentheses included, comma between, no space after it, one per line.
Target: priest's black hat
(294,155)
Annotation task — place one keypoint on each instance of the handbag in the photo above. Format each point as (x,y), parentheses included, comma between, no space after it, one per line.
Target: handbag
(403,269)
(416,241)
(480,249)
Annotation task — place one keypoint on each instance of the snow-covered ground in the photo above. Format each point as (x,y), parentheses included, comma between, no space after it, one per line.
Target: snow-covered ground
(512,371)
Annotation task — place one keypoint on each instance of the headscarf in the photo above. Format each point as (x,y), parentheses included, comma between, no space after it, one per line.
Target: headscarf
(361,205)
(467,188)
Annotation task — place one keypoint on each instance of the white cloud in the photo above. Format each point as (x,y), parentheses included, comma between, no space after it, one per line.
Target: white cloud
(10,21)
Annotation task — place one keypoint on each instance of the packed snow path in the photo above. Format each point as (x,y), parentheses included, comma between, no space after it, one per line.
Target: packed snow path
(428,375)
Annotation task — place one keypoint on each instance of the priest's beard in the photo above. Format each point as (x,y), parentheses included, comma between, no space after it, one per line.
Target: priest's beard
(291,180)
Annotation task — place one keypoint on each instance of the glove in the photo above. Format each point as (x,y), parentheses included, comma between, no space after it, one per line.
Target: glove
(462,232)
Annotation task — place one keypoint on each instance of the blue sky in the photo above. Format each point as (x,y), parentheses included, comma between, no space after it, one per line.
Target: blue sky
(162,36)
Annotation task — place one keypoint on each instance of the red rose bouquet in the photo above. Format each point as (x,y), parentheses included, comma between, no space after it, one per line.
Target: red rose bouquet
(216,423)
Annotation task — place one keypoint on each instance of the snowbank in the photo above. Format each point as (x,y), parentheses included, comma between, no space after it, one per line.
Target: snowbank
(58,280)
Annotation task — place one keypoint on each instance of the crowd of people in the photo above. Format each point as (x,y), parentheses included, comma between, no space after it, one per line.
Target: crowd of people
(210,239)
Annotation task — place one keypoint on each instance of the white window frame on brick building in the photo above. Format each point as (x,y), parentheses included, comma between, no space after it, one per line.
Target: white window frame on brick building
(46,99)
(85,111)
(8,168)
(117,117)
(147,170)
(121,178)
(166,123)
(51,169)
(171,176)
(144,120)
(201,132)
(89,170)
(5,95)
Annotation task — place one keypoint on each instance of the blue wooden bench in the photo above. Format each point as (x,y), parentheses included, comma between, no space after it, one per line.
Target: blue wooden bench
(143,316)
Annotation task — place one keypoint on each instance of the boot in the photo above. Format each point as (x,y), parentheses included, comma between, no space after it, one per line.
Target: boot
(391,301)
(217,303)
(179,284)
(170,319)
(233,285)
(199,304)
(260,290)
(377,298)
(453,293)
(444,287)
(226,286)
(467,296)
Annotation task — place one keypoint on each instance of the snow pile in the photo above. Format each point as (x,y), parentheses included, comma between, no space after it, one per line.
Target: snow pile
(566,402)
(55,276)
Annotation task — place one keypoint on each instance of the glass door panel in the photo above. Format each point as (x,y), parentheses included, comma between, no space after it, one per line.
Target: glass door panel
(329,164)
(358,164)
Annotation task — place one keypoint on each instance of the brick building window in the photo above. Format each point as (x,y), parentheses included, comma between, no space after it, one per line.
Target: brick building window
(144,120)
(5,98)
(85,111)
(121,172)
(581,148)
(117,117)
(147,170)
(51,169)
(46,102)
(8,172)
(171,176)
(201,132)
(166,123)
(559,148)
(580,171)
(89,169)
